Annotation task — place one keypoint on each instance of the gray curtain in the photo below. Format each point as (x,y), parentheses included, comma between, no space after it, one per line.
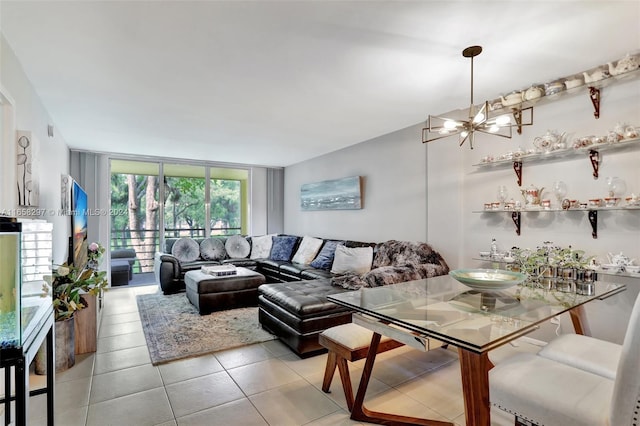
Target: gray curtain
(91,171)
(275,201)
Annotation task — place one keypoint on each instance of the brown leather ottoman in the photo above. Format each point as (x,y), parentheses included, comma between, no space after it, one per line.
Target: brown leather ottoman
(210,293)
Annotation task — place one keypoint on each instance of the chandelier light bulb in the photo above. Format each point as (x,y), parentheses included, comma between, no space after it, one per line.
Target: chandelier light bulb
(450,124)
(502,120)
(494,128)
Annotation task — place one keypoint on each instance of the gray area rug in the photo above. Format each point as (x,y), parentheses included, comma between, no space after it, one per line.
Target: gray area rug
(175,330)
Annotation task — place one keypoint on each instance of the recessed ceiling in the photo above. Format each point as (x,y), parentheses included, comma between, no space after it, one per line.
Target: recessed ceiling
(276,83)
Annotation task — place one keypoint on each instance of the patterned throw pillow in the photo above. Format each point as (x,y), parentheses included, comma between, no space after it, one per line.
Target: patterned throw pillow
(212,249)
(282,247)
(324,259)
(186,250)
(307,250)
(355,260)
(237,247)
(261,246)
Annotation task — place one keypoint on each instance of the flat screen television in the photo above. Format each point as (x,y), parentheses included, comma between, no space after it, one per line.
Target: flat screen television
(79,215)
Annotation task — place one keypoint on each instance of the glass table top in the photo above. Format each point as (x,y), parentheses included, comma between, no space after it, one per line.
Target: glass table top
(447,310)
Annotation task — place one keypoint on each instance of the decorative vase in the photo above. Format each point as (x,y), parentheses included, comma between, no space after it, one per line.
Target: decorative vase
(65,348)
(40,361)
(65,344)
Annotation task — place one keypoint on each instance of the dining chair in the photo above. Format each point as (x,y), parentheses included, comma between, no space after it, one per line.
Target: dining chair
(561,390)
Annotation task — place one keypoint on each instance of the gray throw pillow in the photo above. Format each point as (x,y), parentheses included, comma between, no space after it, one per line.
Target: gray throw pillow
(356,260)
(237,247)
(186,250)
(212,249)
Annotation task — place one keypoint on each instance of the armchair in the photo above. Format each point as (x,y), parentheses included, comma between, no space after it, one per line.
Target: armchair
(554,387)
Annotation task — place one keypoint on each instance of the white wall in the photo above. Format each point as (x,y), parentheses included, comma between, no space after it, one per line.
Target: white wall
(428,193)
(617,230)
(457,197)
(51,156)
(393,168)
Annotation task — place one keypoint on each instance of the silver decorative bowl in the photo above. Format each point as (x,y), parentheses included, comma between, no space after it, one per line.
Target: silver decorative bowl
(488,279)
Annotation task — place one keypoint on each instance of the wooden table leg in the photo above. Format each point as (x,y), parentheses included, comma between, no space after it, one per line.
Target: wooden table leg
(474,369)
(361,413)
(579,320)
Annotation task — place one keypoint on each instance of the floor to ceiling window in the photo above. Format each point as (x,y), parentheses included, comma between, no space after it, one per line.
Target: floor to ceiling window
(135,189)
(228,201)
(172,200)
(184,201)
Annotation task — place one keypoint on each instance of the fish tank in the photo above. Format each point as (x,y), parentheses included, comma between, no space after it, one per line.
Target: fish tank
(25,261)
(10,279)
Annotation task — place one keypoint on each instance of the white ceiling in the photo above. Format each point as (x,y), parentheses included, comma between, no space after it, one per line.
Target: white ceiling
(275,83)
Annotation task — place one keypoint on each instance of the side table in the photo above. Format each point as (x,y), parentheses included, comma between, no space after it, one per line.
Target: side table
(19,358)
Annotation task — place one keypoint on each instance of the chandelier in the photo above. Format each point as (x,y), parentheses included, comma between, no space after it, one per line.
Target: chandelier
(476,120)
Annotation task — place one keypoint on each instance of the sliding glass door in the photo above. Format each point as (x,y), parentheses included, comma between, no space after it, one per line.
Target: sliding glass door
(135,189)
(171,200)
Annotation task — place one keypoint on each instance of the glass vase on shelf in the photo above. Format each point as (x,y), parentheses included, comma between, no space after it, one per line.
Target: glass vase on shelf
(616,188)
(502,194)
(559,190)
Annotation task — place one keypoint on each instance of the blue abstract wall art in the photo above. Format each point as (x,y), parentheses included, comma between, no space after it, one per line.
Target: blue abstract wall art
(336,194)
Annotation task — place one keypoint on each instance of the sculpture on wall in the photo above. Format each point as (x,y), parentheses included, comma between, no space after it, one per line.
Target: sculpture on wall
(28,191)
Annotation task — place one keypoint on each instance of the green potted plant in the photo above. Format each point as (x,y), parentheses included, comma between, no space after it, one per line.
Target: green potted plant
(530,262)
(551,261)
(68,286)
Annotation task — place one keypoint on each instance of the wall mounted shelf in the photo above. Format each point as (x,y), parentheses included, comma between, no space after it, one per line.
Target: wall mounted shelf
(592,90)
(592,152)
(592,214)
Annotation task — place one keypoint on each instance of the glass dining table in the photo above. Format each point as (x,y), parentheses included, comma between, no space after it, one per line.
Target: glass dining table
(475,321)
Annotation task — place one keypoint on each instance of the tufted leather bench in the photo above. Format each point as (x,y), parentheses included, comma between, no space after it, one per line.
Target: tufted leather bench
(297,312)
(209,293)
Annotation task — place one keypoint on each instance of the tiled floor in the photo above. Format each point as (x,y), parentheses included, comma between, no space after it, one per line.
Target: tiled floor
(262,384)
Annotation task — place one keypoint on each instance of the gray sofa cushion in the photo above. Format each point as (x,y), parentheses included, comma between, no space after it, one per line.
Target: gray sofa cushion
(212,249)
(186,250)
(237,246)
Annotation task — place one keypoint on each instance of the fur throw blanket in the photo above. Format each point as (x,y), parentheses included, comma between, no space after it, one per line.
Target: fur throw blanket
(395,262)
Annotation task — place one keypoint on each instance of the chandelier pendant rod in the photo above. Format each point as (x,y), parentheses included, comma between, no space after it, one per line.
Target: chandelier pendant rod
(472,80)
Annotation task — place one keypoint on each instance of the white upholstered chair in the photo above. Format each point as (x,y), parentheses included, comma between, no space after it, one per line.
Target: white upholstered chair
(575,380)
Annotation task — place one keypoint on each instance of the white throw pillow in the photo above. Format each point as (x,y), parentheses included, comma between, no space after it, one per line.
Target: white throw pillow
(356,260)
(261,246)
(307,251)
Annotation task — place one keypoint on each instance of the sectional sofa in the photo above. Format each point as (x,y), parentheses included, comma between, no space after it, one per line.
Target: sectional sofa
(301,272)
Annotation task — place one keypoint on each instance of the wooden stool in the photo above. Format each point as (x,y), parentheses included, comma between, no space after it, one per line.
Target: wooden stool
(348,342)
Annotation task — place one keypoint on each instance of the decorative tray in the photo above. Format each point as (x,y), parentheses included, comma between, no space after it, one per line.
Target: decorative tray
(488,279)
